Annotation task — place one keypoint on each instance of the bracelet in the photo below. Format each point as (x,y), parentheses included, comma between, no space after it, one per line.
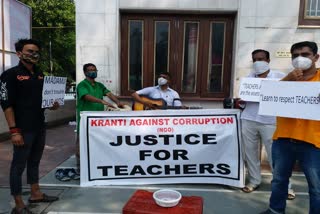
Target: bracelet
(15,130)
(12,127)
(14,134)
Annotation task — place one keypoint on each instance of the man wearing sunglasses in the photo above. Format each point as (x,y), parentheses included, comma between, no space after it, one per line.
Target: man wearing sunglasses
(21,98)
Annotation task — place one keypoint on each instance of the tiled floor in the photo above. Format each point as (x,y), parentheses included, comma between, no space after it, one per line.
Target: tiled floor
(60,145)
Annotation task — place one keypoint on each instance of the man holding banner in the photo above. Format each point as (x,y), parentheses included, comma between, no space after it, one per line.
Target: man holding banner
(297,139)
(255,127)
(21,100)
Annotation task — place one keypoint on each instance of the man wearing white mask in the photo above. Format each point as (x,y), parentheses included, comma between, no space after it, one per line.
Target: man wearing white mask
(258,128)
(297,139)
(161,91)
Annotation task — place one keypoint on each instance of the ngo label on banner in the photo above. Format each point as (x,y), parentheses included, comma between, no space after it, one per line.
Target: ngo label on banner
(189,146)
(290,99)
(53,90)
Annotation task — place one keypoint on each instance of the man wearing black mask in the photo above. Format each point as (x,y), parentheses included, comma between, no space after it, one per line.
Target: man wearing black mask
(21,97)
(90,95)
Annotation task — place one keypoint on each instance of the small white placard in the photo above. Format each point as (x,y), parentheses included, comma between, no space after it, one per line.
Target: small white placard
(290,99)
(53,90)
(250,89)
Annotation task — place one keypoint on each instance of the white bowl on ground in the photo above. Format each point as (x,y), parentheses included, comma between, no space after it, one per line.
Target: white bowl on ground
(167,197)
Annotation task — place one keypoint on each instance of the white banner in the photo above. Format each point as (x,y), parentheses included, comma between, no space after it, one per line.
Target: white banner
(158,147)
(290,99)
(53,90)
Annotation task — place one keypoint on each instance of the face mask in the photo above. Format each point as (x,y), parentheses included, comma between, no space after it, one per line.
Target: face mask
(260,67)
(162,81)
(31,58)
(301,62)
(92,74)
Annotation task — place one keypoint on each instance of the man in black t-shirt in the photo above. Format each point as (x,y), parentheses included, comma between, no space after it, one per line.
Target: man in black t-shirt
(21,97)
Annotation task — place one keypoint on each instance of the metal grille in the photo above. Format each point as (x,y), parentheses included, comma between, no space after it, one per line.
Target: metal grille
(313,8)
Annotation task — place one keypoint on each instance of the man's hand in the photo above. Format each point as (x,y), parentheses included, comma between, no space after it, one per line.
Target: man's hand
(55,106)
(295,75)
(17,139)
(121,105)
(151,106)
(107,104)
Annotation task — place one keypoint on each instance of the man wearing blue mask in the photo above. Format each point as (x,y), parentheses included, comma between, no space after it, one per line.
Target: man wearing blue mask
(258,128)
(160,92)
(90,95)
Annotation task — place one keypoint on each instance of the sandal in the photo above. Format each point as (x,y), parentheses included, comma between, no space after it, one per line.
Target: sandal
(62,175)
(291,194)
(45,198)
(72,174)
(250,188)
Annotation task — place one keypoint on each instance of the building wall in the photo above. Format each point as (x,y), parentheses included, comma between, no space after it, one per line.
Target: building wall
(266,24)
(270,25)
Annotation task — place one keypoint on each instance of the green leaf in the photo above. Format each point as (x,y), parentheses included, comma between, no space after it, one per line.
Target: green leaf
(54,21)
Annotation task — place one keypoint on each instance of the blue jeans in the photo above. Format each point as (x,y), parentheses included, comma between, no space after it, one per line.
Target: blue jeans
(285,152)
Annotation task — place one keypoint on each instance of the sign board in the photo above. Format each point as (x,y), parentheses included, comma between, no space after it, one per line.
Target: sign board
(283,54)
(250,88)
(161,146)
(290,99)
(53,91)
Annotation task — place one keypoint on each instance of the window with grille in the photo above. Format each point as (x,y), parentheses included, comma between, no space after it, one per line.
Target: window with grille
(309,14)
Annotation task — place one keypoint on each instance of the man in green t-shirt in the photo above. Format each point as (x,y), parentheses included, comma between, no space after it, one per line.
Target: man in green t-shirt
(90,97)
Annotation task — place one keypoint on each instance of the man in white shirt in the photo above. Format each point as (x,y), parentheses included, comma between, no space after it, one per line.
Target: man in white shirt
(161,91)
(255,127)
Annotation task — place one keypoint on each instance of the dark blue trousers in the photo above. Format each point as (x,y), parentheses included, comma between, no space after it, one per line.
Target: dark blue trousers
(27,155)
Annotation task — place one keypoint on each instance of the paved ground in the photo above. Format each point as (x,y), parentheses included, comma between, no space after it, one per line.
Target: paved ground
(59,147)
(111,199)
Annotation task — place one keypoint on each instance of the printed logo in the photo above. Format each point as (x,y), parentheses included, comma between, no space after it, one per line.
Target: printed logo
(21,78)
(3,91)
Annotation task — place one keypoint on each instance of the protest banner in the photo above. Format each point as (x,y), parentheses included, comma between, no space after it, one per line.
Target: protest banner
(53,90)
(160,147)
(290,99)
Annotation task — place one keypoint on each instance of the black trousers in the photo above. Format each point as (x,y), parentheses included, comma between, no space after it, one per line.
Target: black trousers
(27,155)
